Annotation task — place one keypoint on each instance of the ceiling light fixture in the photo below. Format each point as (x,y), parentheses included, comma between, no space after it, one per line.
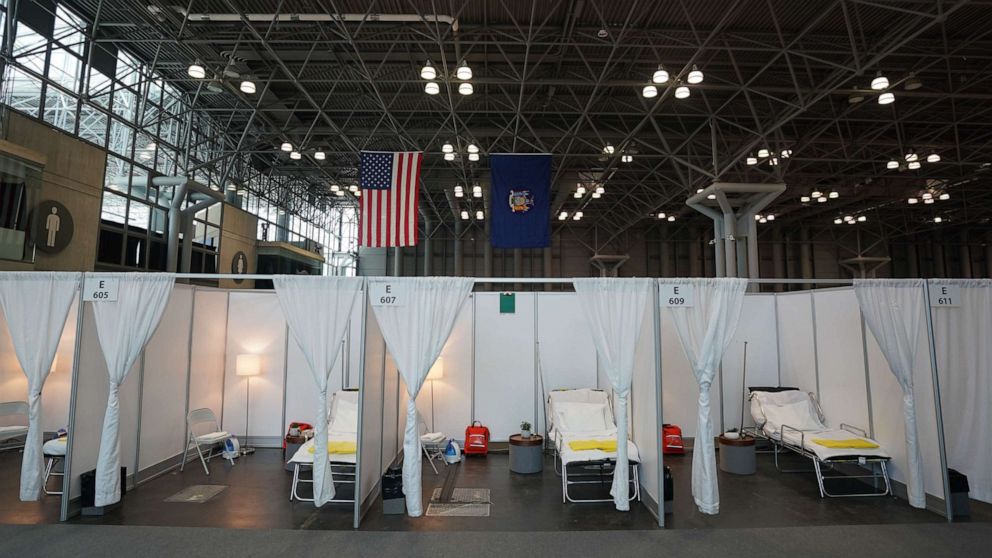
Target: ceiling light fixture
(933,158)
(770,217)
(464,215)
(681,92)
(472,148)
(649,92)
(914,165)
(838,221)
(671,218)
(473,157)
(816,194)
(463,72)
(432,88)
(563,215)
(786,153)
(763,152)
(449,156)
(893,164)
(862,218)
(609,149)
(248,87)
(466,88)
(295,155)
(626,158)
(319,155)
(937,220)
(911,156)
(886,98)
(752,160)
(479,215)
(695,76)
(428,72)
(447,148)
(945,196)
(880,82)
(821,199)
(196,70)
(912,83)
(833,195)
(927,196)
(662,215)
(660,75)
(286,146)
(913,201)
(856,97)
(804,199)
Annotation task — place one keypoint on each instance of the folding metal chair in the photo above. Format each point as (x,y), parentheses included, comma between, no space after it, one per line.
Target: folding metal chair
(211,436)
(433,450)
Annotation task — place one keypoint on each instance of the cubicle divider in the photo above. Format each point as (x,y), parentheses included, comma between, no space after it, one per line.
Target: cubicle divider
(513,354)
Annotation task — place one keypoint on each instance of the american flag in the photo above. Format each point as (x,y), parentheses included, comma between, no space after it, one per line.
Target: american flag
(390,194)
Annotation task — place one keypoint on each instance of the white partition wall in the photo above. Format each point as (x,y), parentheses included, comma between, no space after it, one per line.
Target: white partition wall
(370,436)
(644,428)
(256,326)
(207,351)
(756,326)
(505,372)
(840,357)
(567,356)
(162,419)
(796,342)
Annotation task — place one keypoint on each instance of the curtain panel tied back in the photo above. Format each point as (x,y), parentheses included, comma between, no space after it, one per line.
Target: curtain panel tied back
(317,310)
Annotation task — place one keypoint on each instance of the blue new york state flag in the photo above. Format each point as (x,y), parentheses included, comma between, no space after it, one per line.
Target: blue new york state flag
(520,202)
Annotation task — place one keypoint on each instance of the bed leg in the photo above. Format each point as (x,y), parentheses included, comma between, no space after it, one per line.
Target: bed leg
(819,477)
(296,476)
(885,475)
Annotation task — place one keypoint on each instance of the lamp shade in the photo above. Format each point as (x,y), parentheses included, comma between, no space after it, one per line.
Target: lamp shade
(437,370)
(248,365)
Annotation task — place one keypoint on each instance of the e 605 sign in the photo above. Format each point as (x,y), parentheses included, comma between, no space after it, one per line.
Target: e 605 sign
(100,290)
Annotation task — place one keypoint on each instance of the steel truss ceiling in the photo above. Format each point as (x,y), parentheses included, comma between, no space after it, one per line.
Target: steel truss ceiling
(565,77)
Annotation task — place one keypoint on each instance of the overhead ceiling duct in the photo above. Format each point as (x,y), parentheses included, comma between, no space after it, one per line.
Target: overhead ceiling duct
(321,17)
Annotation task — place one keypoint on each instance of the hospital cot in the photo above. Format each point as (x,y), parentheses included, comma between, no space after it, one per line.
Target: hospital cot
(12,435)
(585,415)
(792,420)
(342,427)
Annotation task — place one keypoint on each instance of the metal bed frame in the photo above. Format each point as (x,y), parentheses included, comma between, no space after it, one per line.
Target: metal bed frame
(590,472)
(780,443)
(338,470)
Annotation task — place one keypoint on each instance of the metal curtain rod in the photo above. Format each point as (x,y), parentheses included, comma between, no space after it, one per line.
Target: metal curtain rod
(526,280)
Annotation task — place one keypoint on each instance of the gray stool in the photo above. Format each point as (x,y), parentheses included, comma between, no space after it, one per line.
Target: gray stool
(737,456)
(526,454)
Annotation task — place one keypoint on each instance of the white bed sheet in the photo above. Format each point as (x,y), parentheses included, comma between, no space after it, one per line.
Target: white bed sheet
(568,455)
(824,453)
(305,455)
(7,432)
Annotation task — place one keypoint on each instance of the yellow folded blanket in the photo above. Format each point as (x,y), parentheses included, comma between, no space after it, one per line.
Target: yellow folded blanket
(338,447)
(584,445)
(850,443)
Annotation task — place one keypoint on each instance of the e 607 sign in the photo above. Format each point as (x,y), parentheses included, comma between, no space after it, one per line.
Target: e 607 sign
(387,294)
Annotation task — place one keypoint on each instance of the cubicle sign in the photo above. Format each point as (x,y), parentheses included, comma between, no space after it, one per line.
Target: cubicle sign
(945,296)
(96,289)
(384,293)
(674,295)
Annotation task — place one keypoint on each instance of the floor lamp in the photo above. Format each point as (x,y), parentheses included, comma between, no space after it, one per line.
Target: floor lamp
(436,373)
(248,365)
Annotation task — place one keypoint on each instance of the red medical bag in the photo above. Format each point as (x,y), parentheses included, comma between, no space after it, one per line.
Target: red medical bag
(671,439)
(476,439)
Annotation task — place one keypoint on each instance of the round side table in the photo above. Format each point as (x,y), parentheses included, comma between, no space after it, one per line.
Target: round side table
(526,454)
(737,455)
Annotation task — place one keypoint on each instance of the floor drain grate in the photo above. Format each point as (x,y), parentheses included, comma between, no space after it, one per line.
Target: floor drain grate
(464,502)
(464,496)
(197,494)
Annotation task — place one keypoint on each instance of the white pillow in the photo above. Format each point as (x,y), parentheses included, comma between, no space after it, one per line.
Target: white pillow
(345,418)
(581,417)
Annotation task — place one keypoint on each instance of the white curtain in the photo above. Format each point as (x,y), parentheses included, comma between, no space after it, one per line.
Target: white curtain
(893,310)
(963,337)
(415,331)
(124,327)
(36,305)
(614,309)
(317,310)
(705,329)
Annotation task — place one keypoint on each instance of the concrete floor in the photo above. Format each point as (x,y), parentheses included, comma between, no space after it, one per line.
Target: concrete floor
(12,509)
(257,498)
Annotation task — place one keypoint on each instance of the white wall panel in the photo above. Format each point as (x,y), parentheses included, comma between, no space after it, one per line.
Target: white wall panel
(757,327)
(207,358)
(567,354)
(58,386)
(843,389)
(371,382)
(644,427)
(255,326)
(505,377)
(163,386)
(796,350)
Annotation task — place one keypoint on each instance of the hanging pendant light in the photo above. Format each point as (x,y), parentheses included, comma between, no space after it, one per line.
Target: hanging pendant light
(196,70)
(248,87)
(752,160)
(472,148)
(893,164)
(763,152)
(649,92)
(933,158)
(447,148)
(660,75)
(286,146)
(319,155)
(428,71)
(914,165)
(473,156)
(886,98)
(695,76)
(432,88)
(466,88)
(681,92)
(295,155)
(463,72)
(880,82)
(449,156)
